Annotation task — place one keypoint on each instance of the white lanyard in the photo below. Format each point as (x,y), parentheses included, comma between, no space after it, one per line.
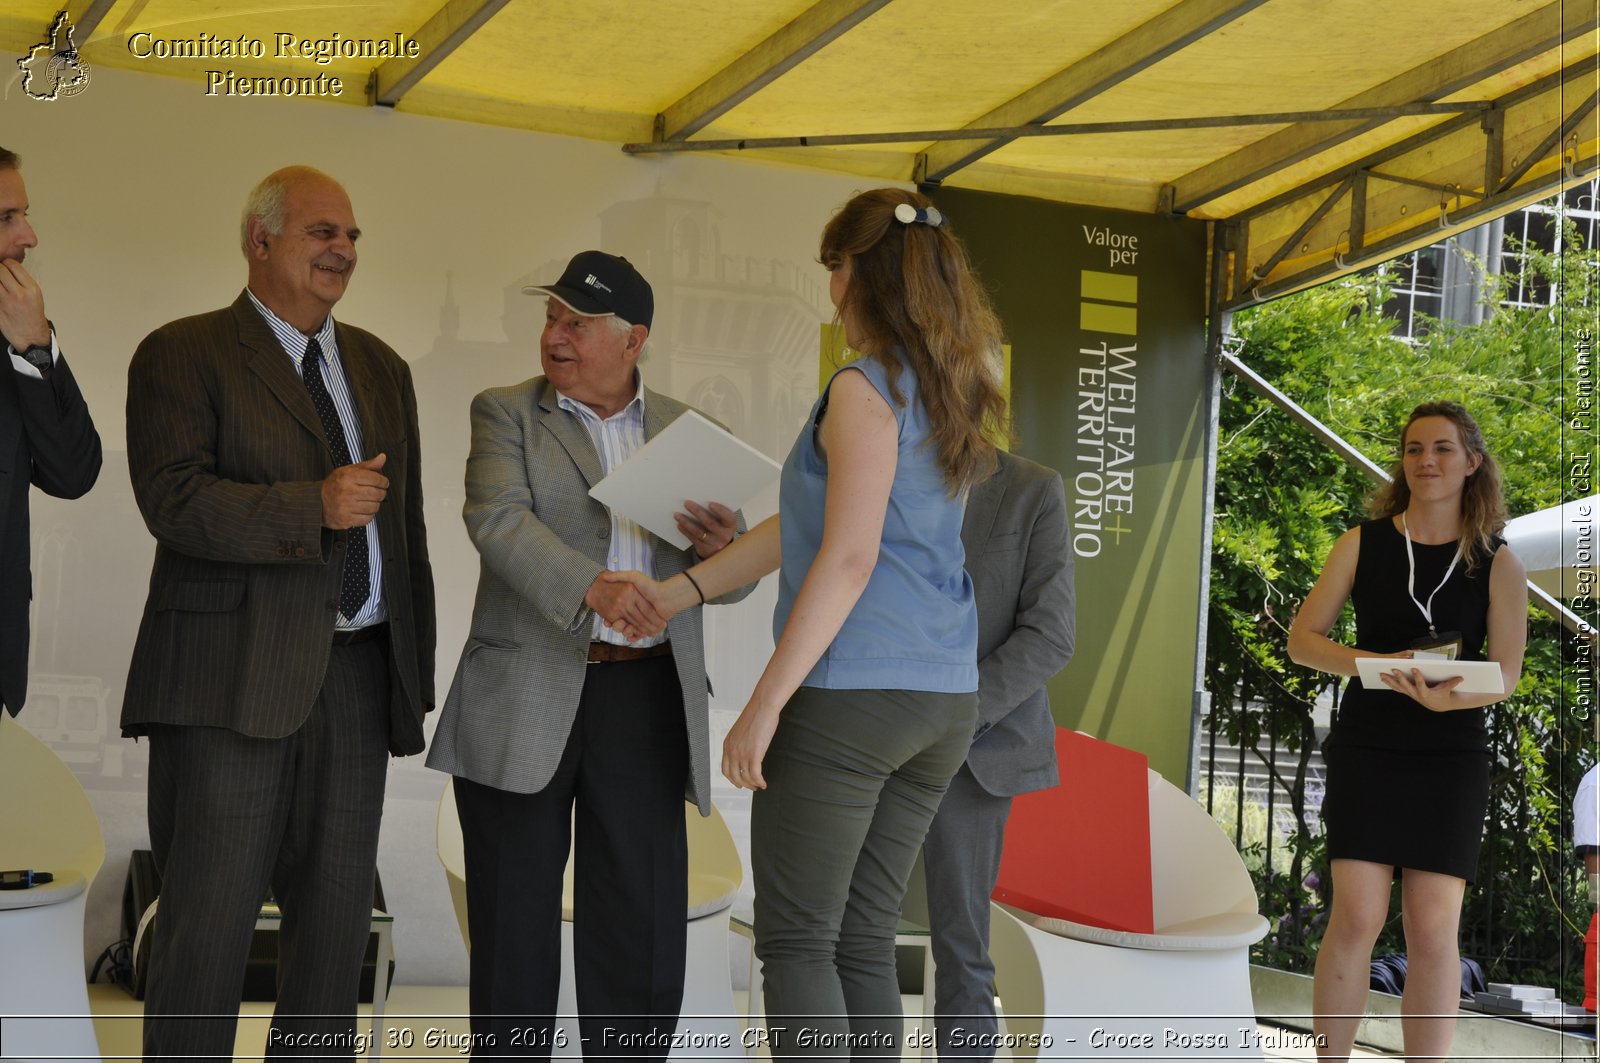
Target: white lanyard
(1411,579)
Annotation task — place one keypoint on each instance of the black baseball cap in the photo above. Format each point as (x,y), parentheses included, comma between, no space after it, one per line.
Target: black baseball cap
(596,284)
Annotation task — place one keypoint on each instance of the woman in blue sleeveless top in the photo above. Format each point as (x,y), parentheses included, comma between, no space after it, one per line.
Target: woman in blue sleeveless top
(868,704)
(1408,763)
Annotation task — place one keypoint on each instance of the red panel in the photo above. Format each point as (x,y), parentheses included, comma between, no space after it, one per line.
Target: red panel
(1591,956)
(1081,851)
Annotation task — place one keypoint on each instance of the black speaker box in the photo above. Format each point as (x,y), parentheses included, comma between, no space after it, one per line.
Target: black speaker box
(141,890)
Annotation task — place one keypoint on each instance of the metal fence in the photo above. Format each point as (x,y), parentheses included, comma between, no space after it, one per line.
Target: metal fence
(1253,788)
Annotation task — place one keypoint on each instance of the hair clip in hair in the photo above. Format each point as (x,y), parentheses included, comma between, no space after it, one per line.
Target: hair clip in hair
(907,214)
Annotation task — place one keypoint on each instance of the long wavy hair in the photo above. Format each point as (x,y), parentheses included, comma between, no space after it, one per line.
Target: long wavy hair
(1483,504)
(913,287)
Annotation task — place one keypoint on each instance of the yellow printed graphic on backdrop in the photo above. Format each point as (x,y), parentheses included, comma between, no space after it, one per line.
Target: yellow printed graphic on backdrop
(836,353)
(1097,312)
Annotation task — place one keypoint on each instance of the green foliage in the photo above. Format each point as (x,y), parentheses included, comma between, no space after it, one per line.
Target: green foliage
(1283,497)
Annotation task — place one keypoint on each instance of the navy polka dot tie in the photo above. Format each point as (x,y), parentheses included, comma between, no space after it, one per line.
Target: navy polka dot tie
(357,583)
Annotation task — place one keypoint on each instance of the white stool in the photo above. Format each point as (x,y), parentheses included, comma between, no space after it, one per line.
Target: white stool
(44,997)
(48,825)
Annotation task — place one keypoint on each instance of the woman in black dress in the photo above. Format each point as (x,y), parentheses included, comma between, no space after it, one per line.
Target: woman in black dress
(1408,766)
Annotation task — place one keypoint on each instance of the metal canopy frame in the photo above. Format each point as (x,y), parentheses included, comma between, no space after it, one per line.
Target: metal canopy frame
(1269,236)
(1325,184)
(1546,169)
(997,135)
(1501,190)
(753,71)
(1172,30)
(449,28)
(92,17)
(1491,54)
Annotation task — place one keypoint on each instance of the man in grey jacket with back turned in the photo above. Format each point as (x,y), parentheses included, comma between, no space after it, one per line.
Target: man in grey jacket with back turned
(1019,553)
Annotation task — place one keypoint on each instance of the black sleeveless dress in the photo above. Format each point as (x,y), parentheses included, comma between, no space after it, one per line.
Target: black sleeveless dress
(1406,786)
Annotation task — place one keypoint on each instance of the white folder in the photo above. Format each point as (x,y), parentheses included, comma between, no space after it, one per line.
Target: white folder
(1477,677)
(690,459)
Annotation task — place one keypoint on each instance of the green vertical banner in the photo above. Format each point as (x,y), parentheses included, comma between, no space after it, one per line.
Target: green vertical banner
(1105,314)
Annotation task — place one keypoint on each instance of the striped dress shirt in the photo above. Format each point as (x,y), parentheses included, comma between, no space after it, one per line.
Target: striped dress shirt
(615,439)
(294,344)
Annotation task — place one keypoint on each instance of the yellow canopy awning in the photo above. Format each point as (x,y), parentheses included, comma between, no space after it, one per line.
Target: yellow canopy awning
(1326,136)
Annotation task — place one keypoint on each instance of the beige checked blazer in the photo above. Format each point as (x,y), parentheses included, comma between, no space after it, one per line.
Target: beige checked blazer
(542,541)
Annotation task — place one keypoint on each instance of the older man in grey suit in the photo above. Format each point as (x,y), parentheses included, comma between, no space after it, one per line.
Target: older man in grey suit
(554,708)
(1019,553)
(287,643)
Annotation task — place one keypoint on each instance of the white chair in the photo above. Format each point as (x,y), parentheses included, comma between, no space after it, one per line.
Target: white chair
(46,824)
(715,873)
(447,838)
(1180,992)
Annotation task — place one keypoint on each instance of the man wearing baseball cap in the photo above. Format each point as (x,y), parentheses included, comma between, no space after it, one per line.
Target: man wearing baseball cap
(556,722)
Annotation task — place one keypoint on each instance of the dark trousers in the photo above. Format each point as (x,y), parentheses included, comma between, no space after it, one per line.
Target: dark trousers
(961,862)
(620,788)
(229,814)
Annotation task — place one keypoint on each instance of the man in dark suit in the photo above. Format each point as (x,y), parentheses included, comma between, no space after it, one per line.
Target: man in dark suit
(553,708)
(46,436)
(287,644)
(1019,553)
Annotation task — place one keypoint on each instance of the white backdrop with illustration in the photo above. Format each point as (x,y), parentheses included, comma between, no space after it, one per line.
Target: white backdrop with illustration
(136,185)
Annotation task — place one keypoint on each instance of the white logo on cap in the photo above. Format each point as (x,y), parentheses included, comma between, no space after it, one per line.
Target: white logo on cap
(594,282)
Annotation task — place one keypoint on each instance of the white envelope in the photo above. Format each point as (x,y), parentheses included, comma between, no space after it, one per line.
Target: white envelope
(692,459)
(1477,677)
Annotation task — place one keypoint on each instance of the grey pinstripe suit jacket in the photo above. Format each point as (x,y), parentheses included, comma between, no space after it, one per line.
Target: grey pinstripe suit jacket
(1019,552)
(227,457)
(542,541)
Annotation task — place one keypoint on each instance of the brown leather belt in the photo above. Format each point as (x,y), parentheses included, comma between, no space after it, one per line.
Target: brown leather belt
(609,653)
(360,634)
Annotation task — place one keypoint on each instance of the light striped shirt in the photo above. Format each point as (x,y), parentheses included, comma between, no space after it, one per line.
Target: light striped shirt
(294,344)
(615,439)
